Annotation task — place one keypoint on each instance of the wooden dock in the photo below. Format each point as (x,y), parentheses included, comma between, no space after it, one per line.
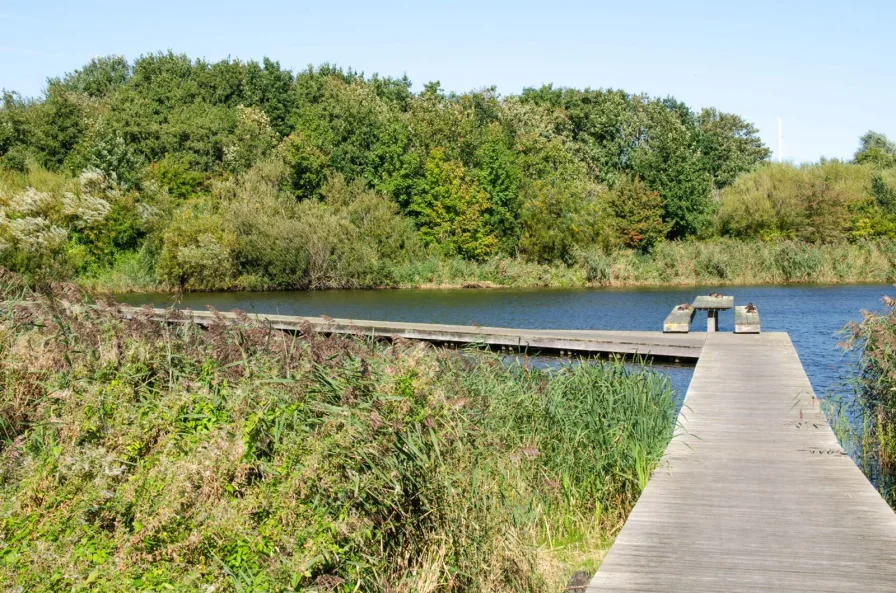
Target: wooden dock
(654,344)
(754,492)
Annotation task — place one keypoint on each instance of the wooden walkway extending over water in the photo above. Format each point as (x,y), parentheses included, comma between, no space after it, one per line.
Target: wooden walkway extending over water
(754,492)
(680,347)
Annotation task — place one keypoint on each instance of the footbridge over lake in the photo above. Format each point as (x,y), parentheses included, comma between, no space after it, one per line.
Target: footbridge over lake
(683,347)
(753,493)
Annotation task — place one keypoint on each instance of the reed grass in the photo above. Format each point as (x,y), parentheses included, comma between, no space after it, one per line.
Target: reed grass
(872,342)
(139,455)
(722,262)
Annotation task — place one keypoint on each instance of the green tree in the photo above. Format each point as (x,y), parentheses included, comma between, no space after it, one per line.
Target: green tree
(557,217)
(728,145)
(100,77)
(452,211)
(271,89)
(59,126)
(883,188)
(638,214)
(668,162)
(307,164)
(876,149)
(253,139)
(501,177)
(606,125)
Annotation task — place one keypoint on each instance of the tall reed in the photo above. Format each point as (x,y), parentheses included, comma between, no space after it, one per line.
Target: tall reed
(873,344)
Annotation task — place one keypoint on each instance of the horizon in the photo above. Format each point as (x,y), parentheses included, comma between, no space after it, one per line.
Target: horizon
(824,71)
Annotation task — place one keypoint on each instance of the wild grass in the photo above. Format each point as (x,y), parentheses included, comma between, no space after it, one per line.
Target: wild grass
(722,262)
(737,262)
(873,342)
(677,263)
(139,455)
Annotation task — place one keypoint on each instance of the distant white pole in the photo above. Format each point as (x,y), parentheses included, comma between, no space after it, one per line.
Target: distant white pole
(780,139)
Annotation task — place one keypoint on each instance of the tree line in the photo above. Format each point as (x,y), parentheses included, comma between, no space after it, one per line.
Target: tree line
(245,174)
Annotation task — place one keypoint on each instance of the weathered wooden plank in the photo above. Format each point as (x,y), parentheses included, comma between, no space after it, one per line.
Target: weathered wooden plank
(679,320)
(626,343)
(746,320)
(703,303)
(754,492)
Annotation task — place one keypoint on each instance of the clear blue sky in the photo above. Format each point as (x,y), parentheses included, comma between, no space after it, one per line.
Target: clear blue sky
(826,67)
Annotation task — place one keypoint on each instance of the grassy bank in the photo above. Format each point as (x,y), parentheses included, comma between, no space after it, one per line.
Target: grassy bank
(136,455)
(722,262)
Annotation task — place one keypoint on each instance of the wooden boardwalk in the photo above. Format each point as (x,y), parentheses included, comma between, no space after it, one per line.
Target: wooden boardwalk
(754,493)
(678,347)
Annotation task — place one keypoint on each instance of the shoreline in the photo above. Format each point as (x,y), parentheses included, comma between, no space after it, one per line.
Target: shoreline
(488,285)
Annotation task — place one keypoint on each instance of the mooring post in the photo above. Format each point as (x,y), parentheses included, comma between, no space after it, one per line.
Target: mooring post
(712,321)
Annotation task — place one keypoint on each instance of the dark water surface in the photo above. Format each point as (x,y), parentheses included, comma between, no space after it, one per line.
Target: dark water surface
(811,314)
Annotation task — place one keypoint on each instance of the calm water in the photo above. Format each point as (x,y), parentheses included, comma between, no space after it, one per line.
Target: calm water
(811,314)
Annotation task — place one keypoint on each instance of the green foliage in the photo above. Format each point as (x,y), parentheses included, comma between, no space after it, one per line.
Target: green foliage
(557,217)
(198,134)
(196,250)
(453,211)
(639,214)
(811,202)
(252,234)
(670,164)
(501,177)
(883,188)
(306,163)
(58,126)
(728,145)
(876,149)
(113,157)
(16,159)
(545,176)
(681,155)
(253,139)
(377,219)
(176,176)
(68,225)
(156,456)
(100,77)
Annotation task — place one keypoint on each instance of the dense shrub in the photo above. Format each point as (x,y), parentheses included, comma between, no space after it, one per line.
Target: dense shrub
(638,214)
(253,234)
(557,217)
(70,225)
(809,203)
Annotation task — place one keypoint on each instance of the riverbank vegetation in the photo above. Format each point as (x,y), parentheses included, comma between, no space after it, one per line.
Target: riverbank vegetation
(873,342)
(183,174)
(138,455)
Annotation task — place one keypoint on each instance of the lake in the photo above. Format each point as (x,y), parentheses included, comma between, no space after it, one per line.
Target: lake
(812,315)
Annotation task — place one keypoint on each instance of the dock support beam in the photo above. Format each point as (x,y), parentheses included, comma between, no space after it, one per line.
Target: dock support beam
(712,321)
